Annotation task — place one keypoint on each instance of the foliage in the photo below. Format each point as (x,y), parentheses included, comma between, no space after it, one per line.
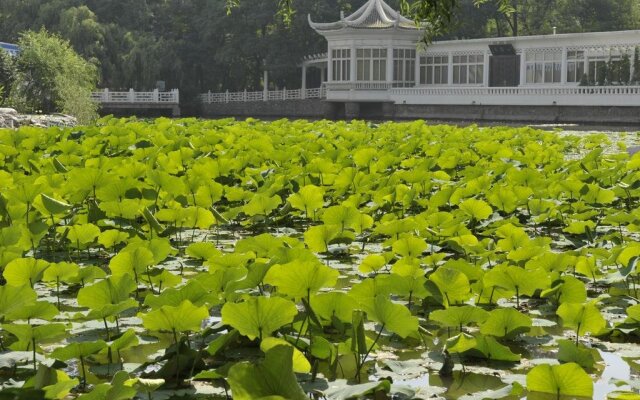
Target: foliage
(242,253)
(51,76)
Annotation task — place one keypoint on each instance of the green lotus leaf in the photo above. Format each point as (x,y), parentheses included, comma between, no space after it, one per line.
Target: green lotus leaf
(622,395)
(61,272)
(318,238)
(109,311)
(394,317)
(88,274)
(126,340)
(83,234)
(182,318)
(259,317)
(597,195)
(560,380)
(461,343)
(26,333)
(516,279)
(567,290)
(300,363)
(301,279)
(272,378)
(54,206)
(372,263)
(14,298)
(133,262)
(24,271)
(584,318)
(333,304)
(124,208)
(261,204)
(309,199)
(492,350)
(368,289)
(633,313)
(476,209)
(504,199)
(202,250)
(193,291)
(409,246)
(111,291)
(341,389)
(344,216)
(145,385)
(117,389)
(265,245)
(453,285)
(505,322)
(77,350)
(459,316)
(568,351)
(38,310)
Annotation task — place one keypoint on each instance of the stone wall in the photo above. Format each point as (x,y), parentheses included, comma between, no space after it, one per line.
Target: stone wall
(317,109)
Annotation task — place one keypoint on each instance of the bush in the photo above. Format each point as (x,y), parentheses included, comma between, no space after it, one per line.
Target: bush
(7,75)
(52,77)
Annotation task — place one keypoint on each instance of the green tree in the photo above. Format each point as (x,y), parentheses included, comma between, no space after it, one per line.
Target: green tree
(53,77)
(7,75)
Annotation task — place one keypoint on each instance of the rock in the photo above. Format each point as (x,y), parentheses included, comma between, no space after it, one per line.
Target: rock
(9,118)
(9,111)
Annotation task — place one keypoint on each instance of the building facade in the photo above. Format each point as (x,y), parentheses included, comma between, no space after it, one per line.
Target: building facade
(377,56)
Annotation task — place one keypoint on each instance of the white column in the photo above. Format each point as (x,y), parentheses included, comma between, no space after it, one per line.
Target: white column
(303,91)
(485,72)
(156,96)
(390,65)
(417,68)
(632,67)
(586,63)
(323,74)
(450,70)
(329,65)
(132,96)
(353,66)
(265,88)
(523,67)
(105,95)
(563,73)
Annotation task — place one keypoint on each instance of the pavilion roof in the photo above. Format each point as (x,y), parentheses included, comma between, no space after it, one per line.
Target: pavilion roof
(374,14)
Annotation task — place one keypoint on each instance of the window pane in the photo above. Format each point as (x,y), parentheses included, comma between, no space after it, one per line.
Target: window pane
(472,74)
(429,75)
(463,74)
(530,73)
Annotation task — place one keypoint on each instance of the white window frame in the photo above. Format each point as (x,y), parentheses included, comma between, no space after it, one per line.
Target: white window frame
(371,64)
(341,63)
(404,67)
(466,65)
(575,65)
(543,67)
(434,69)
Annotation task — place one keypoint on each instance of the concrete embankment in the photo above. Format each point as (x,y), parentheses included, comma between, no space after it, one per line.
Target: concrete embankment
(318,109)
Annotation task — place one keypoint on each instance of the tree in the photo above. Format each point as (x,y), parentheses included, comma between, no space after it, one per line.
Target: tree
(53,77)
(7,75)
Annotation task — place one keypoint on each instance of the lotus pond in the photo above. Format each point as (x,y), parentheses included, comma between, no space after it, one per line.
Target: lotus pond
(295,260)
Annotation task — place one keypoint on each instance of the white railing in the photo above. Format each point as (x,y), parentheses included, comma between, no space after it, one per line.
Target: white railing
(154,97)
(527,95)
(368,85)
(271,95)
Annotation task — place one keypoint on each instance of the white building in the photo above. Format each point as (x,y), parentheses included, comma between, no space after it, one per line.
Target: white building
(375,55)
(12,49)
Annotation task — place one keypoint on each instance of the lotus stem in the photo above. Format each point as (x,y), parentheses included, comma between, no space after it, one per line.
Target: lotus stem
(33,342)
(364,359)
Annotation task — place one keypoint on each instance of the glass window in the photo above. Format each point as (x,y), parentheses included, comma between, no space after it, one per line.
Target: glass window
(404,67)
(371,64)
(468,69)
(341,63)
(543,66)
(434,70)
(575,65)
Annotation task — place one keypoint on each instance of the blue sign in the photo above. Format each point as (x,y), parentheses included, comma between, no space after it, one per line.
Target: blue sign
(12,49)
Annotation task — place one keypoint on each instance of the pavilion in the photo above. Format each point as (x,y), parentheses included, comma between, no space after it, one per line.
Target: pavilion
(376,58)
(10,48)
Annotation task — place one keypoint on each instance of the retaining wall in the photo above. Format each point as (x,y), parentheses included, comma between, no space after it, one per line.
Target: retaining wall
(318,109)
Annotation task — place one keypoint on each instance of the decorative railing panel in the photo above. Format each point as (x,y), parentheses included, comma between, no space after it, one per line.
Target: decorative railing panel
(271,95)
(132,97)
